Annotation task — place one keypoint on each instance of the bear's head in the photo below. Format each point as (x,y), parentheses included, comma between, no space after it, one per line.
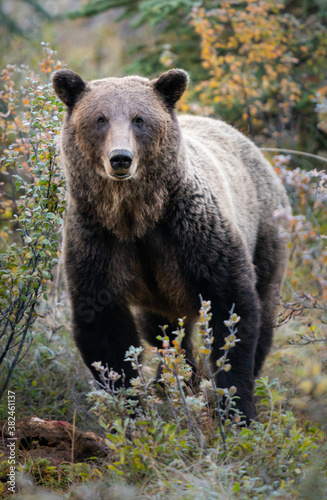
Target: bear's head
(120,124)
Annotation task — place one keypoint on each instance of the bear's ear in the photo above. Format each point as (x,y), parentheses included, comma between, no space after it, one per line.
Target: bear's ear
(68,86)
(171,85)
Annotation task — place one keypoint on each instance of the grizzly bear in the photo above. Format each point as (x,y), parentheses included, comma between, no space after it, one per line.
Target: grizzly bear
(162,210)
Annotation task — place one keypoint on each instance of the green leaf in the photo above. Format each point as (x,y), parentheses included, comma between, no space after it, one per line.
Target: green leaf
(236,488)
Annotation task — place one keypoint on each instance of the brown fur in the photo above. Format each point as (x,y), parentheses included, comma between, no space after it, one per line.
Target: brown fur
(192,214)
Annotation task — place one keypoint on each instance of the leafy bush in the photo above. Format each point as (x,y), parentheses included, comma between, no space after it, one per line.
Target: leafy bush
(307,192)
(34,198)
(162,439)
(185,408)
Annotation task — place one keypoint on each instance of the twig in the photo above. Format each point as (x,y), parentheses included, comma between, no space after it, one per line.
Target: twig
(73,438)
(293,151)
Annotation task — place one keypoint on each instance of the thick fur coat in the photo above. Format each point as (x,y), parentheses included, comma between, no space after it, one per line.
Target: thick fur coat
(162,210)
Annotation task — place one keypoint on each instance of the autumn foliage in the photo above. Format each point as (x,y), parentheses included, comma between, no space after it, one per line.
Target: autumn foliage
(31,205)
(263,63)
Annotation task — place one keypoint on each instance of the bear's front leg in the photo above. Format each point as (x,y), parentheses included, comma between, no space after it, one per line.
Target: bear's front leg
(241,359)
(104,333)
(226,277)
(242,356)
(103,325)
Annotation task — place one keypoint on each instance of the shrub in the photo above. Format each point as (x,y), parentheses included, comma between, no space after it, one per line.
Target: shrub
(173,431)
(263,64)
(31,207)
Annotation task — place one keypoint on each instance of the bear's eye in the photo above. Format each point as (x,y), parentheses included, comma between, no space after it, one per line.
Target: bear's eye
(101,120)
(138,120)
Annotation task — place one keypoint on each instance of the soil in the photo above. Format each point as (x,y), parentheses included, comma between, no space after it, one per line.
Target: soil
(56,440)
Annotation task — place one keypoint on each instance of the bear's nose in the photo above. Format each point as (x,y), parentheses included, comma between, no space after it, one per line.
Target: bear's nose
(121,160)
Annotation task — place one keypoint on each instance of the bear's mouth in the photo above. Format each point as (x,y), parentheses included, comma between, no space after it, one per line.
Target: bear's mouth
(120,176)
